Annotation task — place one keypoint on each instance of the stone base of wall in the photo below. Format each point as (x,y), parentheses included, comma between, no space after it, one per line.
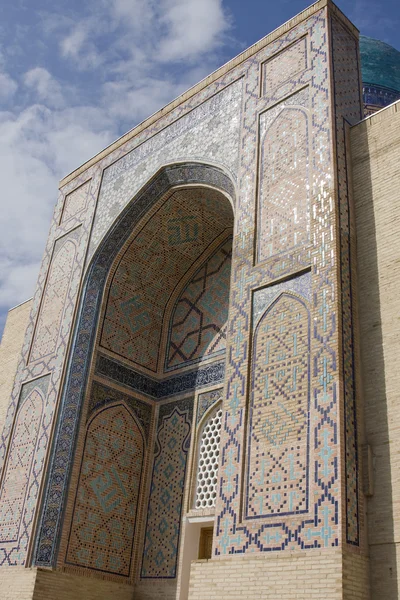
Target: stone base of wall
(18,583)
(155,589)
(325,574)
(313,575)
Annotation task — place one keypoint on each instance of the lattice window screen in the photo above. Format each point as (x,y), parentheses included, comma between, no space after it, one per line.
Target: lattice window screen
(207,470)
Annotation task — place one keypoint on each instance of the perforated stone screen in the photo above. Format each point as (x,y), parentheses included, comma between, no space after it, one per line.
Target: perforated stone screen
(207,470)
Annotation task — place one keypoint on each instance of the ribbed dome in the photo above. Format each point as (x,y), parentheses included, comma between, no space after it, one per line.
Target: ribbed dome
(380,63)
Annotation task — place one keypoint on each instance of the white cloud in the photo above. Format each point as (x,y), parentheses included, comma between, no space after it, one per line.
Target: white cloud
(46,87)
(37,147)
(193,28)
(8,86)
(137,56)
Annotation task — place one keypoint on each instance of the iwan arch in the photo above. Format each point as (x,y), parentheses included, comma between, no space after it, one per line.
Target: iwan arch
(189,417)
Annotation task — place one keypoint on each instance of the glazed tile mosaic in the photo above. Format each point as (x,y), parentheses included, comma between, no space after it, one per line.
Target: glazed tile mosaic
(206,400)
(26,454)
(186,224)
(101,396)
(210,134)
(347,108)
(198,323)
(103,526)
(74,391)
(53,305)
(285,66)
(277,479)
(160,553)
(75,202)
(285,188)
(155,389)
(145,288)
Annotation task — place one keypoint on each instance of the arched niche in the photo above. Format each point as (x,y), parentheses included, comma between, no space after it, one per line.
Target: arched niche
(90,307)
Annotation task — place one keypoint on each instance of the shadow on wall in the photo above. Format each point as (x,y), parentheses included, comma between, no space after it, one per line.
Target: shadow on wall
(373,277)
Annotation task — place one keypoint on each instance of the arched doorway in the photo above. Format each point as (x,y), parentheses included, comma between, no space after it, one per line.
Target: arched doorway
(149,345)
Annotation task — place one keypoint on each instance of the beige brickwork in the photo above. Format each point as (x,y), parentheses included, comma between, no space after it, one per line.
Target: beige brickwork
(376,178)
(306,575)
(53,585)
(17,583)
(10,350)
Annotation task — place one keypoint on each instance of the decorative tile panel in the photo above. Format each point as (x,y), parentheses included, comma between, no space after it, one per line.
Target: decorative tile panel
(284,195)
(284,66)
(75,202)
(74,391)
(182,228)
(320,526)
(103,525)
(102,395)
(262,298)
(160,553)
(158,389)
(198,322)
(24,457)
(347,108)
(277,479)
(209,133)
(206,400)
(54,296)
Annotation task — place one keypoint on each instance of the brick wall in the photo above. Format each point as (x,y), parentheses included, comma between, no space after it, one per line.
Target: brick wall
(376,178)
(17,583)
(54,585)
(305,575)
(10,349)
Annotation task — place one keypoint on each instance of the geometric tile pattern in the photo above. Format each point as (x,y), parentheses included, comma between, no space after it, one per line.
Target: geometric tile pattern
(198,323)
(262,298)
(207,468)
(53,303)
(284,66)
(74,392)
(180,230)
(103,526)
(166,496)
(208,134)
(205,400)
(23,458)
(347,108)
(102,395)
(320,527)
(205,376)
(75,202)
(284,190)
(279,411)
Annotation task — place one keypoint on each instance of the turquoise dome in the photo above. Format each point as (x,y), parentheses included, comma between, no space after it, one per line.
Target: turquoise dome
(380,63)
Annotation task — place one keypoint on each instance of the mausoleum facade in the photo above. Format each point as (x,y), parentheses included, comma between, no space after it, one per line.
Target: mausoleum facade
(200,400)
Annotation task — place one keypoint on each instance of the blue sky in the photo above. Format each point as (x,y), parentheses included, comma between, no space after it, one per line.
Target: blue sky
(75,75)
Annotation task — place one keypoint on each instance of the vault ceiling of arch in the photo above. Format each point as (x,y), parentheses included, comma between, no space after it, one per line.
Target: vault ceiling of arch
(187,227)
